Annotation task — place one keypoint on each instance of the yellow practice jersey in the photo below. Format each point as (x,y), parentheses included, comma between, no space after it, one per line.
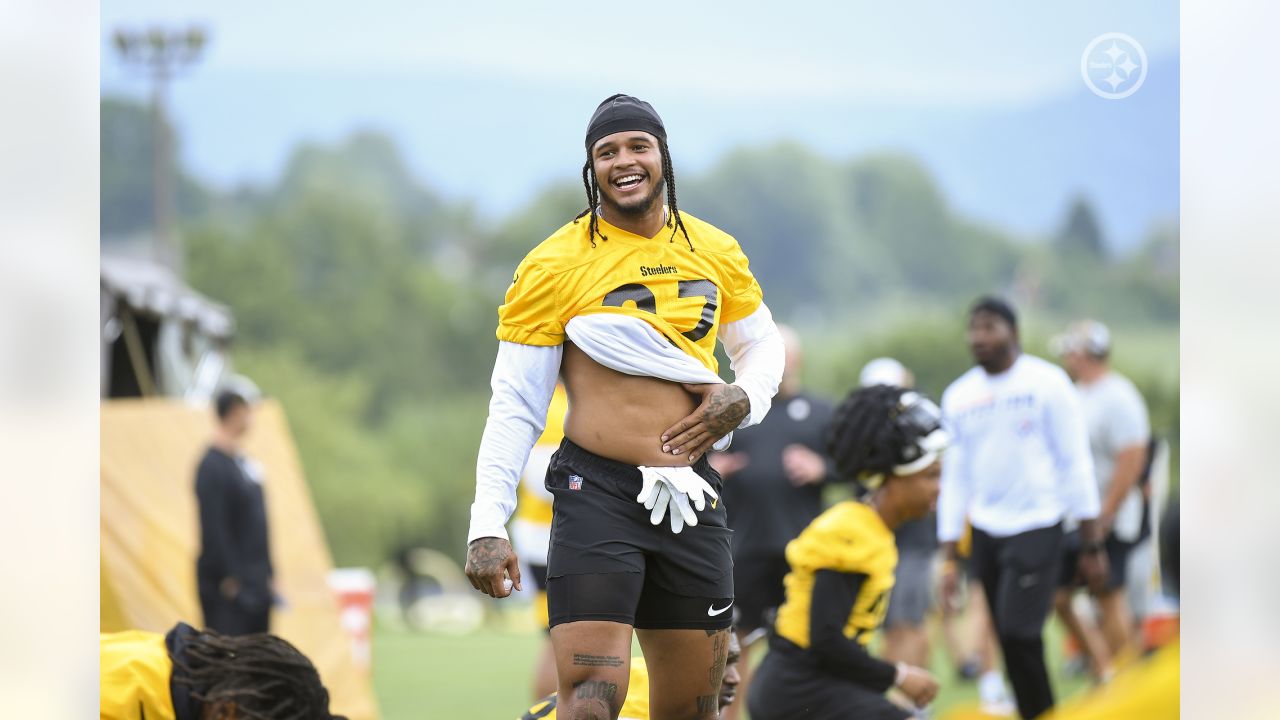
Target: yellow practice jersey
(685,293)
(635,707)
(849,537)
(531,506)
(134,668)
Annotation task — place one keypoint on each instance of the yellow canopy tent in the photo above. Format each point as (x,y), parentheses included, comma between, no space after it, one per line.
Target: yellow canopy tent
(150,535)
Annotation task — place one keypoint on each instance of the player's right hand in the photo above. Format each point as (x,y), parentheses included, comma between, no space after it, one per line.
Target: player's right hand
(490,561)
(918,685)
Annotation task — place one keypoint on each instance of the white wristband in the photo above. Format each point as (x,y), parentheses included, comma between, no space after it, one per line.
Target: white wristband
(902,674)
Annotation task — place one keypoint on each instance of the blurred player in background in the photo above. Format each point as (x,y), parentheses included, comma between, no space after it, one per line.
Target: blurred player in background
(1119,437)
(773,475)
(531,532)
(636,705)
(1020,465)
(842,568)
(187,674)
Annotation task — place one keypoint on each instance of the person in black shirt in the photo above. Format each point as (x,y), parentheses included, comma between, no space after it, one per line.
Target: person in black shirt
(233,573)
(773,477)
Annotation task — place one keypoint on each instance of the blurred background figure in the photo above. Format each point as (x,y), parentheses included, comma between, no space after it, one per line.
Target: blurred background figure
(1020,466)
(886,371)
(773,488)
(1119,441)
(1149,688)
(187,674)
(233,572)
(968,636)
(531,534)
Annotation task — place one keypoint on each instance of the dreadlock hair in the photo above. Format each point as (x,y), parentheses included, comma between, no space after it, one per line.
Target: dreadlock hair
(265,676)
(862,438)
(592,186)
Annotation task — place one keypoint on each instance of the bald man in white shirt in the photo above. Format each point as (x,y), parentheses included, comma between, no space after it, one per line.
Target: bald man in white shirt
(1019,466)
(1119,435)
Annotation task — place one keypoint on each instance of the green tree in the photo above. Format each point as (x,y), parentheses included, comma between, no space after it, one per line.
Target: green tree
(1080,233)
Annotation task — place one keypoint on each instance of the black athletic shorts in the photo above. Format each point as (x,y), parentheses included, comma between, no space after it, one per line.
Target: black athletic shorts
(1117,561)
(790,685)
(757,582)
(607,562)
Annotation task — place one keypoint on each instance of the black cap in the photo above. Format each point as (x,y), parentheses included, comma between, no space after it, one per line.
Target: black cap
(995,306)
(623,112)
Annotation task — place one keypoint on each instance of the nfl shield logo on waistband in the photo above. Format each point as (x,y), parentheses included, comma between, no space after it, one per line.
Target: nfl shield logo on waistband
(575,482)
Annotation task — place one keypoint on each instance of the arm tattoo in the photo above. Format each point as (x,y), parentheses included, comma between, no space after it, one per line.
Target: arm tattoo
(488,555)
(726,408)
(597,660)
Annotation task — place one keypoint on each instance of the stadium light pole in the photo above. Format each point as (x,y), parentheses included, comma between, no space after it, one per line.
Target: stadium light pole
(162,54)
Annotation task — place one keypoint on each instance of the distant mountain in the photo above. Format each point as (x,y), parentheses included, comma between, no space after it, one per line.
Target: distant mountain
(1019,169)
(499,141)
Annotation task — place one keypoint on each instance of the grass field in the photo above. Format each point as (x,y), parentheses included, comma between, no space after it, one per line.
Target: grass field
(485,675)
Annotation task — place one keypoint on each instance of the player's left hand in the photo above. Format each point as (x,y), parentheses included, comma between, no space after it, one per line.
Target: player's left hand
(1093,569)
(721,411)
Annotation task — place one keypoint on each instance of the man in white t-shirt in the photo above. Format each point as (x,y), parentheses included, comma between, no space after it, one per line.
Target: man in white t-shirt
(1119,436)
(1019,465)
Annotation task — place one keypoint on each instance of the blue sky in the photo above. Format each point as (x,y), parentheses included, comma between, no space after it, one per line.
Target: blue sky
(460,84)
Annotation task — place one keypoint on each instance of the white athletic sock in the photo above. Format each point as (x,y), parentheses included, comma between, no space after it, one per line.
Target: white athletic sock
(991,687)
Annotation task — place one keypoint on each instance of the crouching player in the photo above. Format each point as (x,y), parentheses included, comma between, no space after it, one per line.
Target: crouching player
(842,568)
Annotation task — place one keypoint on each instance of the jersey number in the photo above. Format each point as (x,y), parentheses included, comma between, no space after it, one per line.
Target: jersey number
(645,301)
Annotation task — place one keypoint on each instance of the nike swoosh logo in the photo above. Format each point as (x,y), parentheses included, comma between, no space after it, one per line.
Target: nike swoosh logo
(712,611)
